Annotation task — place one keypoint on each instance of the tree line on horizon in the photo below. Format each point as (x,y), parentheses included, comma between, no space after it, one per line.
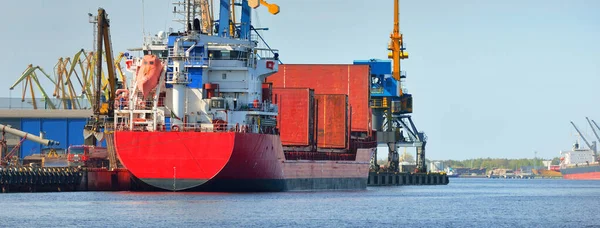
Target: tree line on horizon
(479,163)
(498,163)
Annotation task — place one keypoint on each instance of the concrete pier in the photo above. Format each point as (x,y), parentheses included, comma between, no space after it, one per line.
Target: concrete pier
(29,179)
(403,178)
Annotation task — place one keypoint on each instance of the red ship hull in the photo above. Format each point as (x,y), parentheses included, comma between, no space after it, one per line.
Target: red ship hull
(581,172)
(583,176)
(229,161)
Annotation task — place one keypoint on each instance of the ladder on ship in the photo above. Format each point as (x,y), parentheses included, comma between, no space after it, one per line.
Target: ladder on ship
(112,152)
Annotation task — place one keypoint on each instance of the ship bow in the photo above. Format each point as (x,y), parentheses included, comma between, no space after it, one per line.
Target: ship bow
(174,160)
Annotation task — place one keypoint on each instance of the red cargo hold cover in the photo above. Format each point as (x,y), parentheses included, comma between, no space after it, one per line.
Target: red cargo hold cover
(296,116)
(332,121)
(352,80)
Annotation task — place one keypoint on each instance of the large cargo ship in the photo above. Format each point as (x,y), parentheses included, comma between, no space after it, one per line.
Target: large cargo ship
(580,164)
(213,123)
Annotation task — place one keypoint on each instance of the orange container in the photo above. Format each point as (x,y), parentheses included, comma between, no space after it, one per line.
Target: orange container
(348,79)
(332,121)
(296,115)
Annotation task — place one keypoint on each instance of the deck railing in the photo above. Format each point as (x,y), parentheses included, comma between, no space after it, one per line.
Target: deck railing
(141,125)
(146,104)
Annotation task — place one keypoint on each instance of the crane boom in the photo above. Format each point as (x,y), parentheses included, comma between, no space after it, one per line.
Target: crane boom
(104,40)
(595,124)
(593,129)
(103,110)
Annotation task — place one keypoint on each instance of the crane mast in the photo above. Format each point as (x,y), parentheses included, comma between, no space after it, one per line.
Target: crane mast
(397,46)
(199,16)
(104,108)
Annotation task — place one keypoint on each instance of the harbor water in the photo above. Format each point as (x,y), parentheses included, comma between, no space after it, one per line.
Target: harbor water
(462,203)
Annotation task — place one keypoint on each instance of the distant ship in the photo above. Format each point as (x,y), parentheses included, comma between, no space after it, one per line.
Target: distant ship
(580,164)
(451,173)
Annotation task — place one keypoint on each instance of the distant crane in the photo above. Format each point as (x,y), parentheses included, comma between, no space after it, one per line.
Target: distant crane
(30,77)
(591,146)
(594,130)
(595,124)
(72,81)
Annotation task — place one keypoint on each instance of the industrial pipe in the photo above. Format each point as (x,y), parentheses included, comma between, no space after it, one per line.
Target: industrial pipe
(28,136)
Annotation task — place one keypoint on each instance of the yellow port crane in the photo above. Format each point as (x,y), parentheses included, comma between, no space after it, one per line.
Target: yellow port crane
(398,130)
(72,81)
(64,89)
(120,69)
(29,77)
(396,46)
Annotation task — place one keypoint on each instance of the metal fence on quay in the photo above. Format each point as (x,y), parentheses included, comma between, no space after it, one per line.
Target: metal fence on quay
(8,103)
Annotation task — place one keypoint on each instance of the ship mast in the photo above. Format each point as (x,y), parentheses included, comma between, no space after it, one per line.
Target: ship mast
(179,77)
(196,15)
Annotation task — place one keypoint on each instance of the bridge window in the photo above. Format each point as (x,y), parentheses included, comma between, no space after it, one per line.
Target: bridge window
(228,55)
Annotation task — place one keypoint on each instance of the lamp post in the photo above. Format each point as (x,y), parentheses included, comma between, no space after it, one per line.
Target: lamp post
(535,160)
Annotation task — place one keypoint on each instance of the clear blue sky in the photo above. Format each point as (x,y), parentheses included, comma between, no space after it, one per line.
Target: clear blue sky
(489,78)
